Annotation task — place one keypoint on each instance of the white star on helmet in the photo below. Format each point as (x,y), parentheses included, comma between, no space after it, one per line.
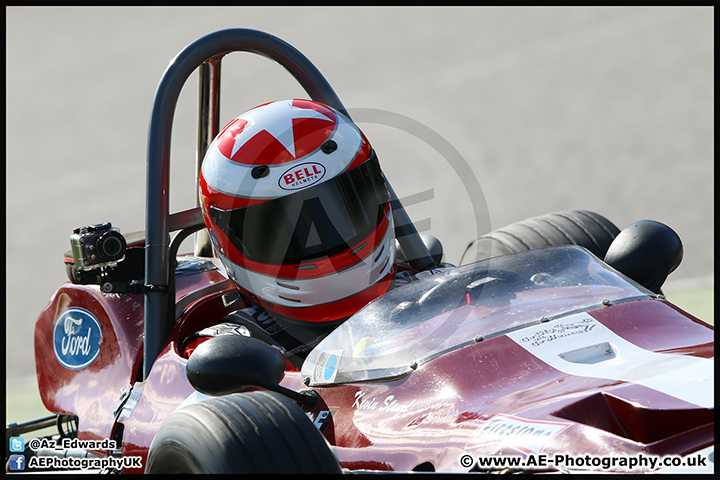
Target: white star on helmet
(277,122)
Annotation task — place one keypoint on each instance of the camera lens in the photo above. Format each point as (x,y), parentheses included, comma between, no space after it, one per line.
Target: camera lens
(111,246)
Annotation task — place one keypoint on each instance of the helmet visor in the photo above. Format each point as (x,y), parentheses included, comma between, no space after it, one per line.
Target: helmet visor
(319,221)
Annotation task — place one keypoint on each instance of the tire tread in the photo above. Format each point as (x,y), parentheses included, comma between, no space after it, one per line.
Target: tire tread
(574,227)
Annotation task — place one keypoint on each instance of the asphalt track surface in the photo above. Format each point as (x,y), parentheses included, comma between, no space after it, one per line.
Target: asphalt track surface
(606,109)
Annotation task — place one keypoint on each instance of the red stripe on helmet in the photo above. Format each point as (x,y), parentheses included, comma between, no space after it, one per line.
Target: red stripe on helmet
(363,154)
(224,201)
(333,311)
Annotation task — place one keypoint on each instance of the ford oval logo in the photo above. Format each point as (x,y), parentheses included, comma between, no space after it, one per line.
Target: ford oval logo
(76,338)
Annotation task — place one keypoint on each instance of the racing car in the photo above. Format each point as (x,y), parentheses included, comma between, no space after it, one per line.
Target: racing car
(551,348)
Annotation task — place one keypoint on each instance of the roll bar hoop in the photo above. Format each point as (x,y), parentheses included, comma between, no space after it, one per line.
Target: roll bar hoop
(159,302)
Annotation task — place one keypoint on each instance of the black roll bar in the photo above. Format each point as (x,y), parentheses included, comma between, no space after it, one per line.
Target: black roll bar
(159,292)
(208,127)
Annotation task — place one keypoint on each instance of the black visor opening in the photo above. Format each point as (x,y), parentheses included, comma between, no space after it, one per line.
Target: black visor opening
(322,220)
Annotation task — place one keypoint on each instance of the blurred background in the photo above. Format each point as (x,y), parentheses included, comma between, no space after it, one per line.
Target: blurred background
(605,109)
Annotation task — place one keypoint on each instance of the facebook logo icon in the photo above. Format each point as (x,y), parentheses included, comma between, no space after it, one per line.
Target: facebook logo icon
(17,462)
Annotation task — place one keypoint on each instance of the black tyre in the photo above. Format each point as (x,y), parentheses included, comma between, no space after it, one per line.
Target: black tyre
(253,432)
(575,227)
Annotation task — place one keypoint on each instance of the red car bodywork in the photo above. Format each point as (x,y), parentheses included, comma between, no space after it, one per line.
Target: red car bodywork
(430,416)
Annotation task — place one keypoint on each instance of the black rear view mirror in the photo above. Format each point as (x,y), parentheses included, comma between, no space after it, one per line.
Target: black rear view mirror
(231,363)
(647,251)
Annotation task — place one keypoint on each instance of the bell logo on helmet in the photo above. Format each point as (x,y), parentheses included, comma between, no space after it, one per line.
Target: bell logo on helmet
(301,176)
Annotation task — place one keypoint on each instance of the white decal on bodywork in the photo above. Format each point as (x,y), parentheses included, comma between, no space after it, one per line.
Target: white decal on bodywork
(528,436)
(561,343)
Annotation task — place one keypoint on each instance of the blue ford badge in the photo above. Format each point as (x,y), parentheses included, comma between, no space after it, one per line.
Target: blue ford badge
(76,338)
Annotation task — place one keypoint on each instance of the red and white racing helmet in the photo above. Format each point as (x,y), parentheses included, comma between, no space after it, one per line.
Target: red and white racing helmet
(298,211)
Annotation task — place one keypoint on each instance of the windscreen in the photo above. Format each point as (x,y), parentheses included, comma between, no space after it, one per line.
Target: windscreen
(422,320)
